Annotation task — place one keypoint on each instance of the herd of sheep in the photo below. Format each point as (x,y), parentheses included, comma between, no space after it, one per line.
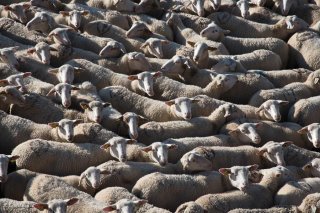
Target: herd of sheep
(158,106)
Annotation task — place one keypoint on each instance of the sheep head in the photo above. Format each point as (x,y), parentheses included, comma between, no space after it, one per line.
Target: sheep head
(12,95)
(16,80)
(63,90)
(159,151)
(65,73)
(4,162)
(154,46)
(273,151)
(271,109)
(125,205)
(42,51)
(145,81)
(313,133)
(74,17)
(113,49)
(182,106)
(65,128)
(92,176)
(94,110)
(56,205)
(118,147)
(247,132)
(133,121)
(8,57)
(313,167)
(139,30)
(214,32)
(18,11)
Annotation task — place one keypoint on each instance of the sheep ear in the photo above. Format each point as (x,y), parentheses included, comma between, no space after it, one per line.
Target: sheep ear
(53,71)
(106,104)
(253,167)
(144,45)
(71,201)
(41,206)
(316,80)
(4,82)
(122,48)
(307,166)
(110,208)
(283,102)
(77,121)
(104,171)
(84,105)
(31,50)
(261,151)
(13,158)
(172,146)
(193,100)
(304,130)
(27,74)
(169,103)
(132,77)
(131,141)
(233,131)
(53,124)
(286,143)
(64,13)
(146,149)
(191,43)
(7,7)
(212,48)
(84,12)
(225,171)
(75,88)
(165,42)
(78,69)
(142,120)
(157,74)
(51,92)
(140,202)
(105,146)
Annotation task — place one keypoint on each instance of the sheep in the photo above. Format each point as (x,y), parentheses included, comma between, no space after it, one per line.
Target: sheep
(260,132)
(280,78)
(246,45)
(56,205)
(189,207)
(113,194)
(185,188)
(309,204)
(282,29)
(117,147)
(195,127)
(312,168)
(293,192)
(7,56)
(124,101)
(65,130)
(42,52)
(303,50)
(16,12)
(16,80)
(4,162)
(43,188)
(291,92)
(62,93)
(312,132)
(8,205)
(303,111)
(10,95)
(183,35)
(43,22)
(208,158)
(265,190)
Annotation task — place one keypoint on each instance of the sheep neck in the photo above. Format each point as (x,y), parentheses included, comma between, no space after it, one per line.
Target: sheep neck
(271,183)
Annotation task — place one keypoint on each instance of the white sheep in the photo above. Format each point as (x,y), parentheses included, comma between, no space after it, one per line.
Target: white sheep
(111,195)
(282,29)
(4,162)
(16,12)
(312,132)
(124,100)
(272,180)
(291,92)
(10,96)
(177,189)
(117,147)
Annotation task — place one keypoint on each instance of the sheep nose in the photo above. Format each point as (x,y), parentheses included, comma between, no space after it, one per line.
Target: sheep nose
(278,118)
(133,136)
(162,163)
(45,61)
(243,187)
(196,58)
(187,115)
(123,159)
(69,137)
(66,104)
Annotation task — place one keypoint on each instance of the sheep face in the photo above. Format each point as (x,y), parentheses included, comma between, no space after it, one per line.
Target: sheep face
(215,4)
(200,51)
(159,151)
(12,95)
(271,109)
(41,22)
(60,36)
(65,73)
(4,162)
(65,128)
(182,106)
(154,46)
(133,121)
(74,17)
(56,205)
(42,51)
(224,82)
(63,90)
(137,62)
(313,167)
(18,11)
(7,56)
(273,151)
(295,24)
(313,133)
(214,32)
(118,147)
(195,162)
(226,65)
(247,132)
(145,81)
(113,49)
(244,8)
(16,80)
(125,206)
(177,65)
(239,175)
(94,110)
(92,176)
(138,29)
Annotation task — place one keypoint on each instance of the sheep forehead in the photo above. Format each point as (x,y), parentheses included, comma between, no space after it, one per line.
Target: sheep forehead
(63,122)
(66,67)
(236,169)
(94,104)
(145,74)
(113,44)
(52,204)
(315,162)
(273,146)
(41,45)
(182,100)
(41,14)
(129,115)
(247,126)
(314,126)
(157,145)
(91,171)
(61,86)
(60,30)
(117,140)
